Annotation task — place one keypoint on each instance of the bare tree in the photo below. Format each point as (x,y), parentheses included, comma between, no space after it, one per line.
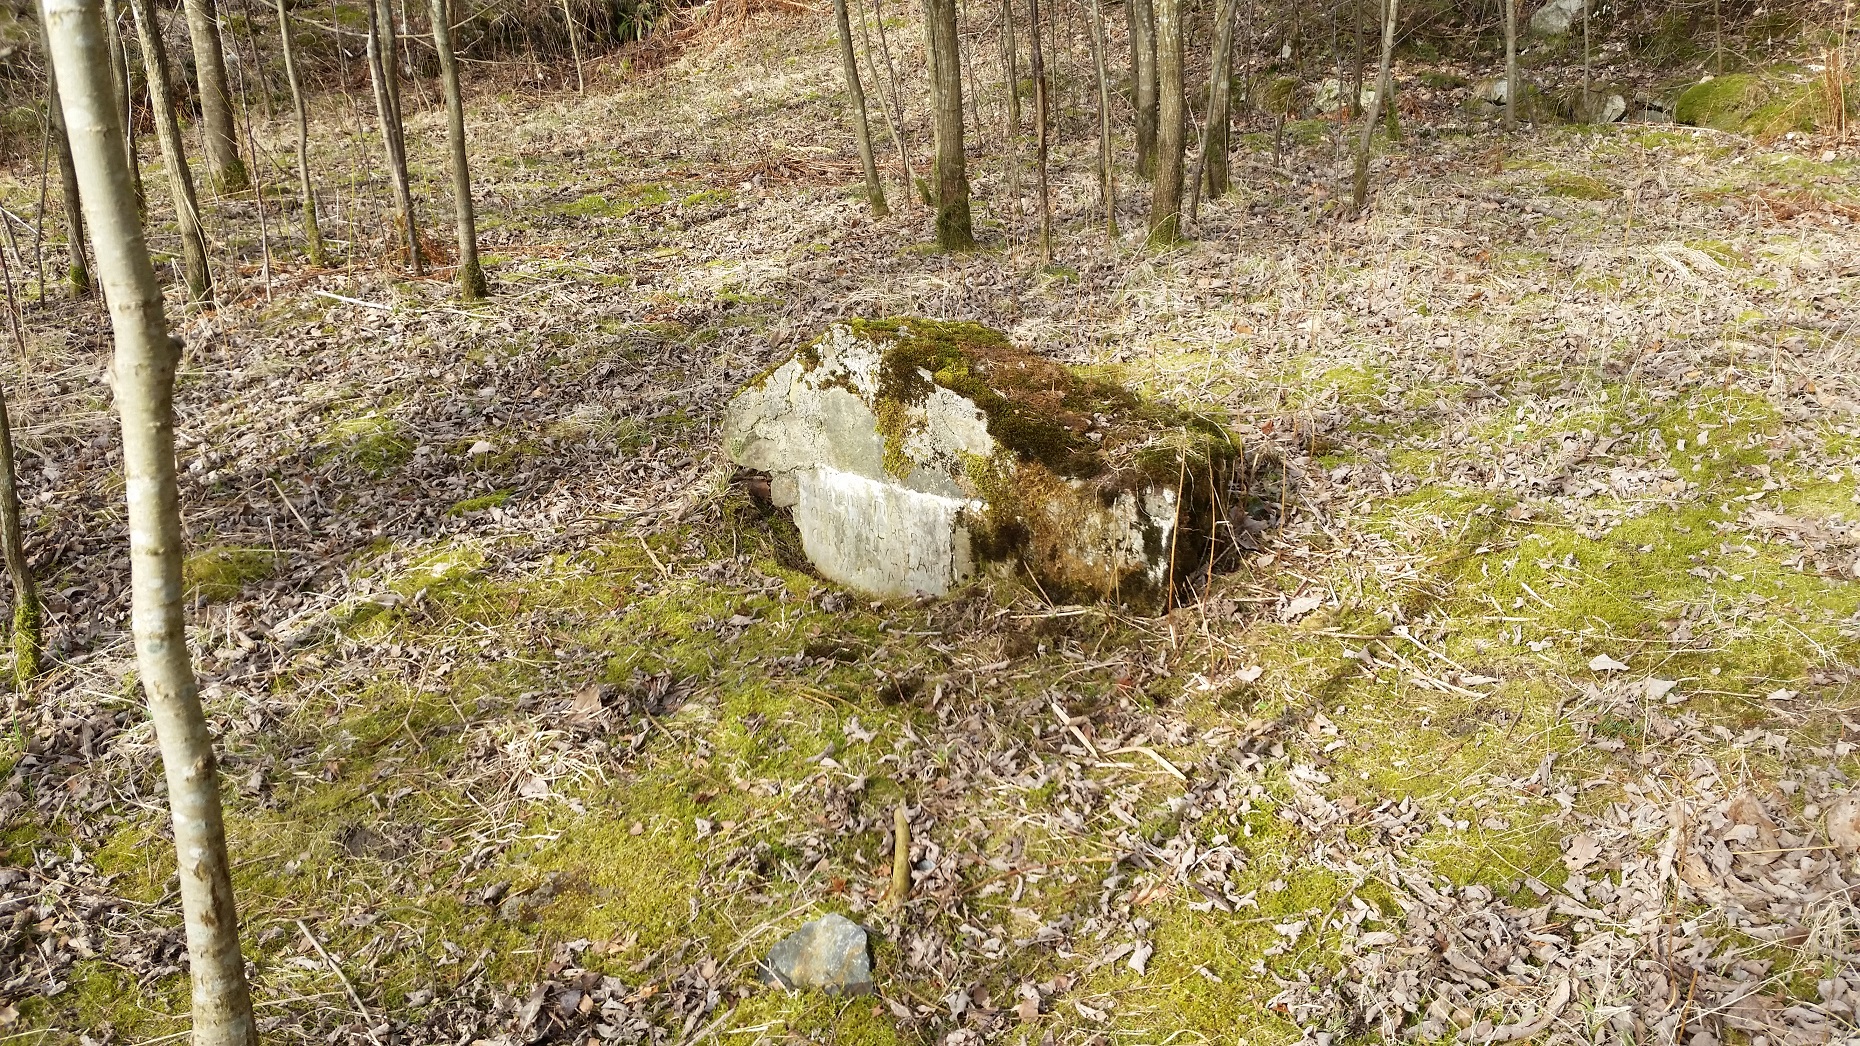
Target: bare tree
(1511,62)
(383,74)
(174,157)
(862,130)
(1041,120)
(1143,83)
(77,273)
(471,274)
(28,627)
(1107,187)
(885,102)
(1214,143)
(1171,126)
(1359,187)
(225,171)
(953,229)
(313,235)
(125,92)
(144,369)
(1010,66)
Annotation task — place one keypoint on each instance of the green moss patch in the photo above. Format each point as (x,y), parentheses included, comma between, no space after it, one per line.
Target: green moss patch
(220,573)
(617,203)
(372,441)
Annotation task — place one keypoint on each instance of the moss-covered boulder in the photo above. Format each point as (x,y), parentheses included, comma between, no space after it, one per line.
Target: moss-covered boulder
(1765,103)
(1599,104)
(916,453)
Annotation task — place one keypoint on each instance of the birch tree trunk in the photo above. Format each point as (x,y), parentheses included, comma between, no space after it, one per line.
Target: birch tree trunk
(313,234)
(471,274)
(28,626)
(146,357)
(954,231)
(1041,119)
(1107,187)
(1142,18)
(125,93)
(862,130)
(1215,143)
(225,171)
(382,72)
(174,157)
(1359,187)
(1511,62)
(1171,126)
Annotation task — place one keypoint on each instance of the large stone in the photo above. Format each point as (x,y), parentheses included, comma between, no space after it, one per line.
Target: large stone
(1556,17)
(1600,104)
(830,953)
(916,453)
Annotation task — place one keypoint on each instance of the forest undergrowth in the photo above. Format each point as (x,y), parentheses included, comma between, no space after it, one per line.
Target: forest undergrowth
(1530,711)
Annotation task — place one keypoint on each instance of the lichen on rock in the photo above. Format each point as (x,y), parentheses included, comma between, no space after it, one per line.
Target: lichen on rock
(915,453)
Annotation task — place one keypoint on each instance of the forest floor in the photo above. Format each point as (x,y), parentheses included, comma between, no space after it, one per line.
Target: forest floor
(1524,716)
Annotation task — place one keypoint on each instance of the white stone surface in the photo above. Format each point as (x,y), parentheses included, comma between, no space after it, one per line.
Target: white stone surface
(882,538)
(1555,17)
(904,520)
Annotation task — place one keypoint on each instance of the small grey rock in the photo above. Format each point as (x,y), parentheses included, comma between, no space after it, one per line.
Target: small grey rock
(830,953)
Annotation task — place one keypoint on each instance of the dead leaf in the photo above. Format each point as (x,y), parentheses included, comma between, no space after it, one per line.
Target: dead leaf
(1299,607)
(1604,663)
(1581,851)
(1844,823)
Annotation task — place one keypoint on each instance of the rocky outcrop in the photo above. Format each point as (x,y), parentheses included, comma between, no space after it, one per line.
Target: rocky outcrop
(915,454)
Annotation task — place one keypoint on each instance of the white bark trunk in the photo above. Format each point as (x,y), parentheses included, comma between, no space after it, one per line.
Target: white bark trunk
(146,356)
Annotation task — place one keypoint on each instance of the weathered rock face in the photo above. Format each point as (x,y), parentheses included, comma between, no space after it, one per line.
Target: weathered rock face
(830,953)
(1601,103)
(915,453)
(1556,17)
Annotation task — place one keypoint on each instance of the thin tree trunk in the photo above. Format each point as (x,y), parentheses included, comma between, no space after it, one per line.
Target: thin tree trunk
(885,105)
(1107,187)
(1143,87)
(1359,188)
(381,71)
(225,171)
(862,130)
(313,235)
(77,272)
(471,274)
(574,47)
(897,83)
(1214,143)
(1512,87)
(258,183)
(144,369)
(1355,100)
(1585,55)
(125,93)
(1041,118)
(38,218)
(1010,64)
(1171,127)
(174,158)
(968,78)
(953,229)
(28,628)
(264,78)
